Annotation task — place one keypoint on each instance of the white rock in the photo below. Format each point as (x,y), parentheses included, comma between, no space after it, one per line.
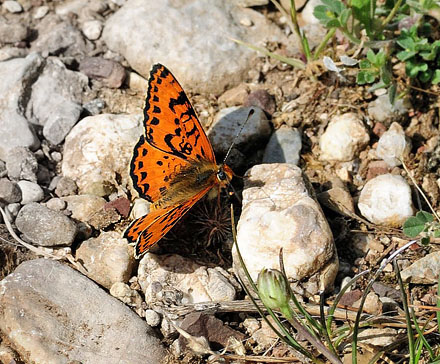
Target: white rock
(188,280)
(214,62)
(424,270)
(386,200)
(344,137)
(30,192)
(12,6)
(393,145)
(98,148)
(41,12)
(278,212)
(136,82)
(107,258)
(92,29)
(140,207)
(378,337)
(129,296)
(152,318)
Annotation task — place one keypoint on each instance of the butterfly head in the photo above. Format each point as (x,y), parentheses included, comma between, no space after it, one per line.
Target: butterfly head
(224,174)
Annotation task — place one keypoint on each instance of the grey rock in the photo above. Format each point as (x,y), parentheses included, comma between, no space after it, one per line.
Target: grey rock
(56,204)
(9,52)
(45,227)
(21,164)
(14,208)
(125,33)
(383,111)
(284,146)
(229,121)
(261,99)
(12,32)
(109,72)
(107,258)
(423,271)
(60,37)
(56,100)
(92,29)
(66,186)
(53,314)
(12,6)
(94,107)
(9,191)
(17,76)
(30,191)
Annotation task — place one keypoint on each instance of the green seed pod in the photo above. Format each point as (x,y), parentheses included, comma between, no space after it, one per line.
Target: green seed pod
(273,288)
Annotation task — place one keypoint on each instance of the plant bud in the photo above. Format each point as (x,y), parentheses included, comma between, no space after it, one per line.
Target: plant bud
(273,289)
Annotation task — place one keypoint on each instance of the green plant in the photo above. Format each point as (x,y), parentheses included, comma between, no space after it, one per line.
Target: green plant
(423,225)
(421,56)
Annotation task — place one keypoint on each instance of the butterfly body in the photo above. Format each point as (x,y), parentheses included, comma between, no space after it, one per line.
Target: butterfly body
(173,164)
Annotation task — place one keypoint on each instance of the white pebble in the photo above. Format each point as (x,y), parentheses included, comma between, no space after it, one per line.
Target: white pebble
(12,6)
(343,139)
(393,145)
(386,200)
(152,318)
(41,12)
(92,29)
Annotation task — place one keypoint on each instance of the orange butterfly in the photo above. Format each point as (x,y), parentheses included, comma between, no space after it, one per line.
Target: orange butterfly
(173,164)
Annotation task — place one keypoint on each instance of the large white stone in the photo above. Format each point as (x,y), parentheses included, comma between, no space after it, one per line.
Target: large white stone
(98,149)
(344,137)
(192,38)
(386,200)
(278,212)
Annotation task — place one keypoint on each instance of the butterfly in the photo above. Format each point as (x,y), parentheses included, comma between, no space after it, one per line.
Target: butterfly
(173,164)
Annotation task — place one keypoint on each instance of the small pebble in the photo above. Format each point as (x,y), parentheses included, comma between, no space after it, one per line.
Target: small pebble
(152,318)
(92,29)
(66,187)
(393,145)
(41,12)
(12,6)
(56,156)
(30,191)
(56,204)
(14,209)
(386,200)
(9,191)
(22,164)
(344,137)
(94,107)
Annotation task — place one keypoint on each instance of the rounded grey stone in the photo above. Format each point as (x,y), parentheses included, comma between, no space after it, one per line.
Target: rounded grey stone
(30,192)
(45,227)
(53,314)
(56,204)
(22,164)
(66,186)
(284,146)
(9,191)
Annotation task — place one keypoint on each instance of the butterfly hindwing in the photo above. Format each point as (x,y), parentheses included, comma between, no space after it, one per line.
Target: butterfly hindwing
(148,229)
(171,124)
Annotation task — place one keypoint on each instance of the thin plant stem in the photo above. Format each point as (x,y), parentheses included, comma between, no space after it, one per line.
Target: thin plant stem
(324,42)
(420,190)
(302,37)
(410,334)
(391,14)
(364,297)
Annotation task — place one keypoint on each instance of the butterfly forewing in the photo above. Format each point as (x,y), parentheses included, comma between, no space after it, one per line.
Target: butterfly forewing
(171,124)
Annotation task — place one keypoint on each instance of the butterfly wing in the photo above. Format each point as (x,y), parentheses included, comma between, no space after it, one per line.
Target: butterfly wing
(173,137)
(149,229)
(171,124)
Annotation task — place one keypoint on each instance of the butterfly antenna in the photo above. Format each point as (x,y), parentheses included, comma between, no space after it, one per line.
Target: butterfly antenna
(251,112)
